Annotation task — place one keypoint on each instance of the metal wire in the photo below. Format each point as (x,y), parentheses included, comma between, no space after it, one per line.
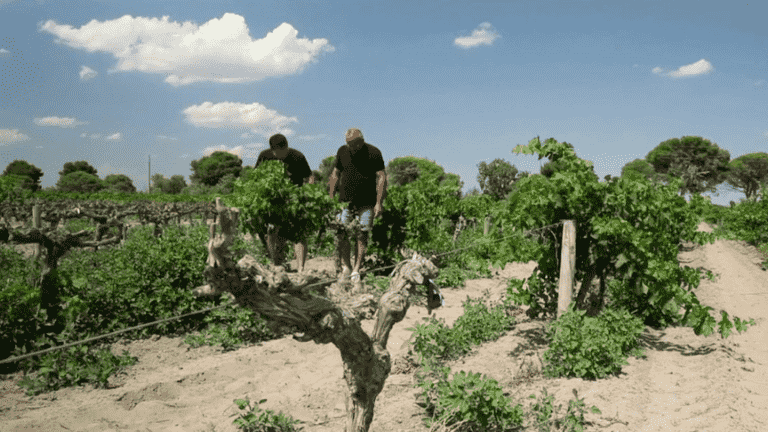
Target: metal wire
(94,338)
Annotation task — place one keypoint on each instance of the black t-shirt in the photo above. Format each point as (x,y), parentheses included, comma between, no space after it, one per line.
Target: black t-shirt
(358,174)
(295,164)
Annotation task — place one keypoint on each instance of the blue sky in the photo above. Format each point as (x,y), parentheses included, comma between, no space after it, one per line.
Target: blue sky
(111,82)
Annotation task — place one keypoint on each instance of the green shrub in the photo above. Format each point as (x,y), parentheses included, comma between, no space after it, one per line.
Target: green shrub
(75,366)
(470,401)
(591,348)
(540,296)
(544,412)
(256,420)
(478,324)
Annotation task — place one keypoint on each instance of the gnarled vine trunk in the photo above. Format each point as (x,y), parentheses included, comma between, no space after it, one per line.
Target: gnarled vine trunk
(320,312)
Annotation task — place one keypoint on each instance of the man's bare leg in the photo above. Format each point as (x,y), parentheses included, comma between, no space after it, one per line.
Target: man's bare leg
(300,249)
(343,250)
(276,248)
(362,245)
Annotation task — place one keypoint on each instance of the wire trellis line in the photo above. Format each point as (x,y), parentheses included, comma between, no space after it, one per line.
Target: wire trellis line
(140,326)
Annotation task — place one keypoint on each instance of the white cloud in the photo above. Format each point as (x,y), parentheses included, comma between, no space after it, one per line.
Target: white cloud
(87,73)
(759,83)
(4,51)
(94,136)
(220,50)
(701,67)
(114,137)
(484,34)
(11,135)
(62,122)
(83,135)
(256,117)
(245,135)
(311,137)
(634,66)
(247,151)
(163,137)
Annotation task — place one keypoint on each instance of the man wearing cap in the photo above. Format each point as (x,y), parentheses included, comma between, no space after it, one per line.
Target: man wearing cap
(363,184)
(298,170)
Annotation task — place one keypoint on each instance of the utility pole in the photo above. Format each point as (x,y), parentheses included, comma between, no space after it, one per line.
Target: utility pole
(149,172)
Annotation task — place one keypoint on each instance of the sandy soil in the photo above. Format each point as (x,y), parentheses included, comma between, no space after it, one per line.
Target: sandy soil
(686,383)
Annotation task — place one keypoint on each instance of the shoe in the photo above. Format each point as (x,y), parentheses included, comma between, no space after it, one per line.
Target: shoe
(344,276)
(357,283)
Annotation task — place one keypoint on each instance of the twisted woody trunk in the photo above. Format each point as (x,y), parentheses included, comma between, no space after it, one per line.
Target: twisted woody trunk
(320,312)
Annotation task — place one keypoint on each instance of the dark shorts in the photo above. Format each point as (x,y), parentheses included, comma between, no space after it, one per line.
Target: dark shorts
(364,216)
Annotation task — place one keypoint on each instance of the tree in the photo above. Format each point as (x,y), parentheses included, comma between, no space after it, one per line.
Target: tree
(640,168)
(119,182)
(749,173)
(472,192)
(701,164)
(176,184)
(83,166)
(30,173)
(401,171)
(210,169)
(80,181)
(323,173)
(497,178)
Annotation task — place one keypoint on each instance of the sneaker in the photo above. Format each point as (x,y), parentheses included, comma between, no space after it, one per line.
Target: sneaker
(344,276)
(357,283)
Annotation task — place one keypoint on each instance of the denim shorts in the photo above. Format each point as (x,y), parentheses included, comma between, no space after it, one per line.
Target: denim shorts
(364,216)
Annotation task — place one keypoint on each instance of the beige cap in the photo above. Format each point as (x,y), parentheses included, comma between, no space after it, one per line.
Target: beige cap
(353,134)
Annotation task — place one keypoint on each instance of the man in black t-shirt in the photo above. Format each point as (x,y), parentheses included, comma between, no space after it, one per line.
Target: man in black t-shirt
(298,170)
(363,185)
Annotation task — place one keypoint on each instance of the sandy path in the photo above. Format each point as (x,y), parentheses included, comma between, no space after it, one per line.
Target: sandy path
(686,383)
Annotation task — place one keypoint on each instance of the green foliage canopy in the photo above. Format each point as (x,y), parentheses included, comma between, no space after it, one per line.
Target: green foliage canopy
(267,196)
(749,173)
(30,173)
(497,178)
(628,229)
(83,166)
(701,164)
(119,182)
(210,169)
(80,181)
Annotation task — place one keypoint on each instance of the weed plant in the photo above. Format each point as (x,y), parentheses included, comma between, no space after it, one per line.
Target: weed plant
(544,414)
(591,348)
(471,401)
(258,420)
(478,324)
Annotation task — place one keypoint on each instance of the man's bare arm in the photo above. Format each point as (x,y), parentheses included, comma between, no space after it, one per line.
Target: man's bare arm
(381,185)
(332,181)
(310,179)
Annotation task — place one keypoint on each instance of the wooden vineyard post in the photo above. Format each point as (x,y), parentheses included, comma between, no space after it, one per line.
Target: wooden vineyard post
(567,267)
(487,226)
(37,225)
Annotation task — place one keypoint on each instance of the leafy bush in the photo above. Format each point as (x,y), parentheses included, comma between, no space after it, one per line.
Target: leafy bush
(231,327)
(540,297)
(256,420)
(543,411)
(468,400)
(78,365)
(591,348)
(478,324)
(266,196)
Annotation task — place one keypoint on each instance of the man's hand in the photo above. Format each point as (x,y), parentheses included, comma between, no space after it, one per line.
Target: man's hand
(377,210)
